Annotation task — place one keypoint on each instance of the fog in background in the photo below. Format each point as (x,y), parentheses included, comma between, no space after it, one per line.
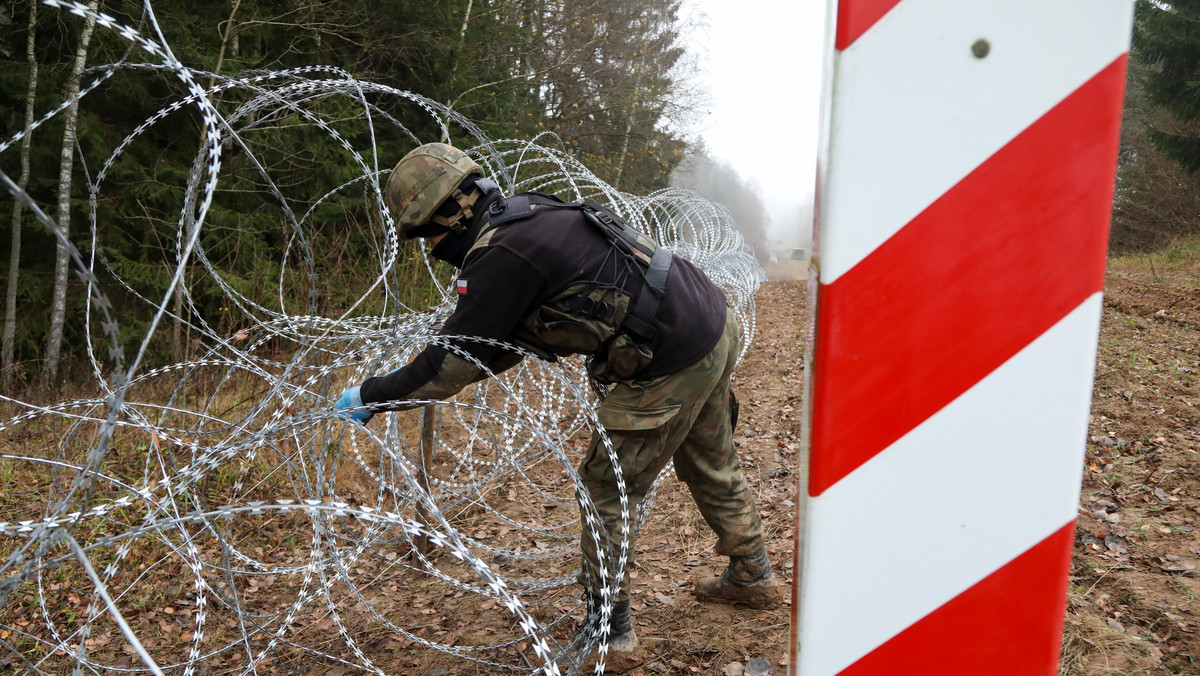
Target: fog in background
(759,63)
(718,180)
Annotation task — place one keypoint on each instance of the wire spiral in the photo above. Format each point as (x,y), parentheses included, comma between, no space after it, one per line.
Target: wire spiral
(215,511)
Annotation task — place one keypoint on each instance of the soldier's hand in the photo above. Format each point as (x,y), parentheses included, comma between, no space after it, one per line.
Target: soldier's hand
(350,406)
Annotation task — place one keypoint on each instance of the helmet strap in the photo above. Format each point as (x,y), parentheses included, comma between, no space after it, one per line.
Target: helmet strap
(458,223)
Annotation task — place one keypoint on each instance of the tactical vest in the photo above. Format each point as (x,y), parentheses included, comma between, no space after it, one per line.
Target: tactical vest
(605,322)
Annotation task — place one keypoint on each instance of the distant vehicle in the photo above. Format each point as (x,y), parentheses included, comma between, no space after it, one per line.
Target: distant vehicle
(797,254)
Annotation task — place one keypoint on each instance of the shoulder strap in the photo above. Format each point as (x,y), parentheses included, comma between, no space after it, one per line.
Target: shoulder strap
(510,209)
(627,238)
(640,320)
(521,206)
(656,259)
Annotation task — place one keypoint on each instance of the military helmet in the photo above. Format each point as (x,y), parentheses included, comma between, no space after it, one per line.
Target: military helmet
(424,179)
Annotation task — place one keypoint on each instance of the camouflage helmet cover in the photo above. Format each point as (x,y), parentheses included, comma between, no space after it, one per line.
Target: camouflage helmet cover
(422,180)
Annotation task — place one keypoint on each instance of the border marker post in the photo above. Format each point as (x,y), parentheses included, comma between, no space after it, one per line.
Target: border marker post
(963,202)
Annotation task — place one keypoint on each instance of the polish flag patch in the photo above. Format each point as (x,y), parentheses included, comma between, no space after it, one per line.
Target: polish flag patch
(462,286)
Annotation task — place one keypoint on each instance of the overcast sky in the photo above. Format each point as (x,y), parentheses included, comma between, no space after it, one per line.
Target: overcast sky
(761,64)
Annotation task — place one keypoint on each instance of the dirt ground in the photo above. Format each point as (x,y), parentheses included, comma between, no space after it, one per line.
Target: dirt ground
(1131,608)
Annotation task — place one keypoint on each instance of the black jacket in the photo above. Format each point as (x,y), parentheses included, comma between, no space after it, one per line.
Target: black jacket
(529,261)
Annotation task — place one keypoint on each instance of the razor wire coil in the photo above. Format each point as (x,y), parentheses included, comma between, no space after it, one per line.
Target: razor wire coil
(344,508)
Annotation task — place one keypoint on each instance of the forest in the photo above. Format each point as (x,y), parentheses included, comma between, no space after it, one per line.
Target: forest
(606,81)
(1158,188)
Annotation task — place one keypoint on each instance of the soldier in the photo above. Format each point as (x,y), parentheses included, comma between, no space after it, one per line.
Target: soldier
(561,279)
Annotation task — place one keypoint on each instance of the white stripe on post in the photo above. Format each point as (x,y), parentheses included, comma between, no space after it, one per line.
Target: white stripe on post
(985,478)
(910,90)
(963,206)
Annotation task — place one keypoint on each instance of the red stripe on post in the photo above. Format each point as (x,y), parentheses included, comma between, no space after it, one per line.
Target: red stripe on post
(938,306)
(855,17)
(1011,622)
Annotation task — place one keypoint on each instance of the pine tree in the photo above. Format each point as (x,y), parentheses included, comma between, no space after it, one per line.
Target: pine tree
(601,74)
(1166,38)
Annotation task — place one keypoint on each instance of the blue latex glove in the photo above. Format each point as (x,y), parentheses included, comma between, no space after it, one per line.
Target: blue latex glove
(350,406)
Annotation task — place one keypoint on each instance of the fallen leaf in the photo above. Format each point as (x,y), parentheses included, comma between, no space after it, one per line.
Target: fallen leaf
(1179,569)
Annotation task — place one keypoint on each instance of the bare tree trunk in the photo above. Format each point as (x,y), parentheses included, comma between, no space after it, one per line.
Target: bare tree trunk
(624,150)
(628,130)
(229,32)
(58,308)
(462,39)
(14,262)
(177,339)
(462,33)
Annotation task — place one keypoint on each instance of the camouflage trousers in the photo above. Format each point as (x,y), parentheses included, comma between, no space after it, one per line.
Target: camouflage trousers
(687,417)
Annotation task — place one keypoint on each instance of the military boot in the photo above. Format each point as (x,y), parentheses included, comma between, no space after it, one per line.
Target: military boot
(622,641)
(748,580)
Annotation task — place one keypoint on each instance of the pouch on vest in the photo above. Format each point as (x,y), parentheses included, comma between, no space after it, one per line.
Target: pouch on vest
(622,359)
(581,319)
(586,318)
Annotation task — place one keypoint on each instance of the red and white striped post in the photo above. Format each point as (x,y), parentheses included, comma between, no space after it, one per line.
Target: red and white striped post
(964,197)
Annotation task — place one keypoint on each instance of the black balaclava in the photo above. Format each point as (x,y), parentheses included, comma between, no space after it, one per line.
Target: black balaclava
(453,248)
